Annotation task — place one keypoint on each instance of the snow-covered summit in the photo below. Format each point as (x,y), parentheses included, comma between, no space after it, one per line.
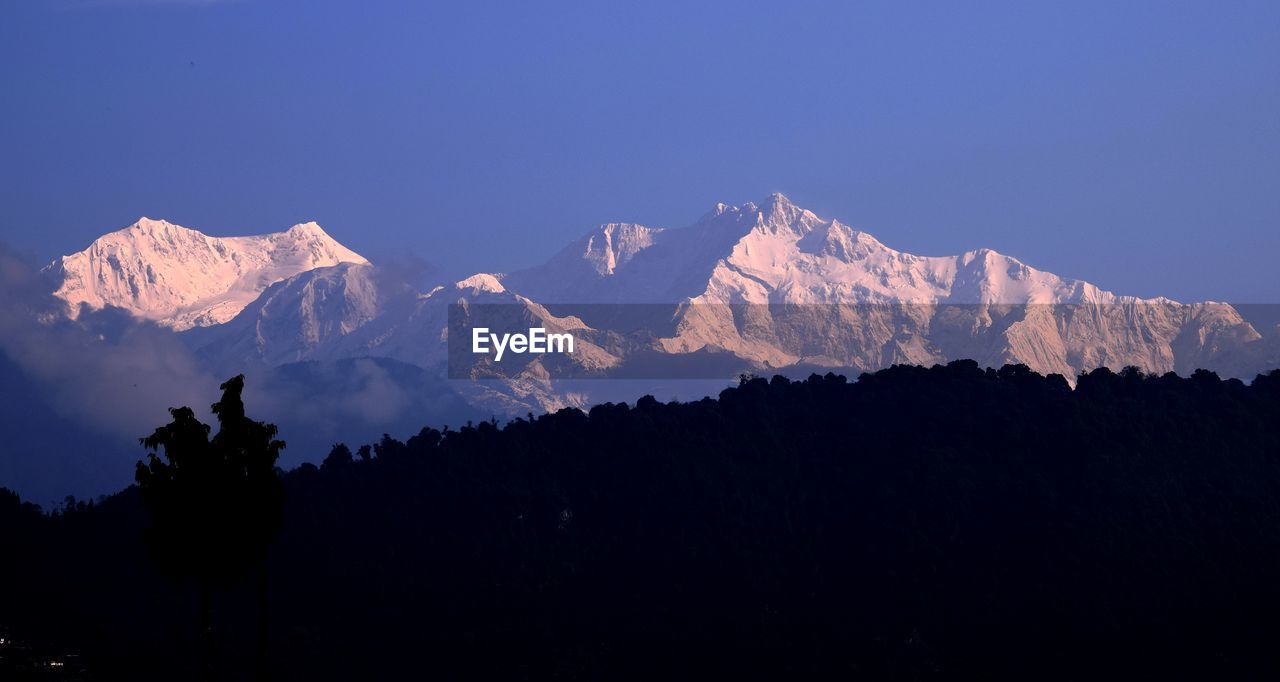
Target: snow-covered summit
(778,252)
(183,278)
(481,282)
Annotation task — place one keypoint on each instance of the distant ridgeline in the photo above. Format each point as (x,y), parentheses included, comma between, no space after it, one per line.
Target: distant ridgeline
(915,523)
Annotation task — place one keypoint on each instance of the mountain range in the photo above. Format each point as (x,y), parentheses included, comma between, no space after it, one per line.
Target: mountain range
(336,348)
(767,287)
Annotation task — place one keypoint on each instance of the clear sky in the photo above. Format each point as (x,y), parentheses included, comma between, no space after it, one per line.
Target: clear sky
(1134,144)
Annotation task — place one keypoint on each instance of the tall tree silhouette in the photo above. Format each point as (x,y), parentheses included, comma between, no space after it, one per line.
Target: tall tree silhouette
(215,503)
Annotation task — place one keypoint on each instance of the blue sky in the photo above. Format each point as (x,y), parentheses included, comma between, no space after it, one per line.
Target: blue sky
(1133,144)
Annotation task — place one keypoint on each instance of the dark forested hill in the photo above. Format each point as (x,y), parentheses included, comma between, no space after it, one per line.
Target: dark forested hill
(913,524)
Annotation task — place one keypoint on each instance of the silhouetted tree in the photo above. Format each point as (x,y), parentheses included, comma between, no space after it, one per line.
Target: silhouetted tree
(339,457)
(215,504)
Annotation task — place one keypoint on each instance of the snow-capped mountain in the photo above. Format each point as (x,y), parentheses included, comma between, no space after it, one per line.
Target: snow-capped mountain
(294,317)
(182,278)
(759,287)
(775,253)
(777,285)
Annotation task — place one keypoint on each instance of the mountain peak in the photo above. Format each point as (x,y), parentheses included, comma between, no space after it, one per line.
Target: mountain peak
(778,215)
(777,199)
(772,208)
(147,225)
(778,207)
(310,227)
(182,278)
(481,282)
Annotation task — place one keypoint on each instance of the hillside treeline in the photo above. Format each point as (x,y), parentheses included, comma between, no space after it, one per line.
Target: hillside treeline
(912,524)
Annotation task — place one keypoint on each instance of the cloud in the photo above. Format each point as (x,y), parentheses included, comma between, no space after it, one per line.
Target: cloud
(105,369)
